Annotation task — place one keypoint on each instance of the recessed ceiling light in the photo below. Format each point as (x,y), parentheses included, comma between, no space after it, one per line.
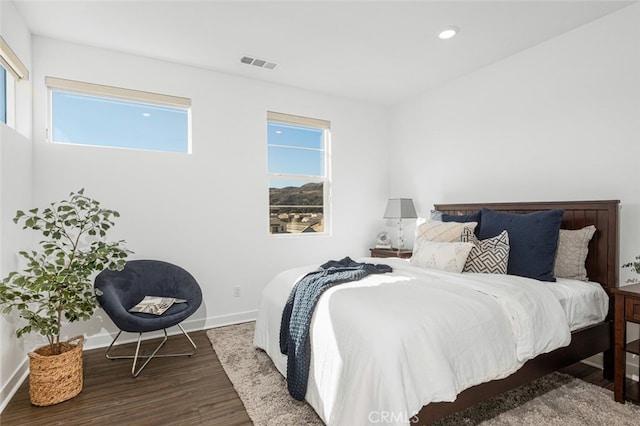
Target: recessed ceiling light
(448,33)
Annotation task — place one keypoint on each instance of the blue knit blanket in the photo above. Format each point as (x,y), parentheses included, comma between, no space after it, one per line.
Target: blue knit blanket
(296,315)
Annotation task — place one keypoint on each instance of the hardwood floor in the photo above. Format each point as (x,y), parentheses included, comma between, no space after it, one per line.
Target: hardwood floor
(170,391)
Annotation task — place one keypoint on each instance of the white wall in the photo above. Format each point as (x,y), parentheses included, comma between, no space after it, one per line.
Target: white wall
(559,121)
(15,190)
(15,193)
(208,211)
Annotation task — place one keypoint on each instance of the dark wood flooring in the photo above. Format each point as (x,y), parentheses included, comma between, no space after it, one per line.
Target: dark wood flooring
(170,391)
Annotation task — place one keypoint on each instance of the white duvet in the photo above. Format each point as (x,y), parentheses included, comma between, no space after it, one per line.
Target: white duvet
(386,345)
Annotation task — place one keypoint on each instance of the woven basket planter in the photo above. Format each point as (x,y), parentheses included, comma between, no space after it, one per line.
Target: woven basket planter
(56,378)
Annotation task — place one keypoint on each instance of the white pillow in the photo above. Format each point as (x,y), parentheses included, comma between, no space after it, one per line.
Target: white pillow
(444,256)
(444,232)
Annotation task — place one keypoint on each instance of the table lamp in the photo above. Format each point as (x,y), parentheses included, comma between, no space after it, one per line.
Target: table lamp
(400,208)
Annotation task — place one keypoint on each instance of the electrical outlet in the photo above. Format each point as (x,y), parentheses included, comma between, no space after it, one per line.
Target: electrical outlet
(236,291)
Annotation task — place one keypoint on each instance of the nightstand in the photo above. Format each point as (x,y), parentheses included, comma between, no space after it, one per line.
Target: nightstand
(380,252)
(627,309)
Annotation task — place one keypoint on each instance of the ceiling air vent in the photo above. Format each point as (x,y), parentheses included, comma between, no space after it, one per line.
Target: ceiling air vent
(261,63)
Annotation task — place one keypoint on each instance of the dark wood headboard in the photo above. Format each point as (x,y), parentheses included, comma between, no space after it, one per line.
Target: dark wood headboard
(602,260)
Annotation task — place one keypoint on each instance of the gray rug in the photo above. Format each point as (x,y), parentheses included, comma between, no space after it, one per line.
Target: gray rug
(555,399)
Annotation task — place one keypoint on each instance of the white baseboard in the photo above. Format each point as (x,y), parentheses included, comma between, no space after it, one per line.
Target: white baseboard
(594,361)
(102,340)
(14,383)
(632,370)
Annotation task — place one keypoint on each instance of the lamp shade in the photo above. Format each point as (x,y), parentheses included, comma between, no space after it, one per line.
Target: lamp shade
(400,208)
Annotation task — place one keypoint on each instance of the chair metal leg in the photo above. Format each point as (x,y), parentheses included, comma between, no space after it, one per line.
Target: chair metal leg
(137,355)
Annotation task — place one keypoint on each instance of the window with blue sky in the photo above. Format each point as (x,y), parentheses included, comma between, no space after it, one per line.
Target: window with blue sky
(95,115)
(297,168)
(12,71)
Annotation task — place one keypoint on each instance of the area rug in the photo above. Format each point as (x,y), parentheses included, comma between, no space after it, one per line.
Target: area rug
(556,399)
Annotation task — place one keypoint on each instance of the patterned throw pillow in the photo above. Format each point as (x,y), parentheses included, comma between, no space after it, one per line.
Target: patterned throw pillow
(448,257)
(573,247)
(489,256)
(443,232)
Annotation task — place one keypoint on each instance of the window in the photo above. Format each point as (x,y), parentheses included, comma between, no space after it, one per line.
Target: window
(298,164)
(7,98)
(12,70)
(97,115)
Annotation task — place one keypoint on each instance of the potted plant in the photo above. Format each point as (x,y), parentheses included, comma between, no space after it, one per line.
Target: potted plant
(56,286)
(635,266)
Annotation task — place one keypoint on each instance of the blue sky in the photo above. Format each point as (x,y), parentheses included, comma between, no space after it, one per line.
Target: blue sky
(90,120)
(294,150)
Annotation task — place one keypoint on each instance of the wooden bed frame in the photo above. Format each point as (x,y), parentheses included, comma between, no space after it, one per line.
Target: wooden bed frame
(602,267)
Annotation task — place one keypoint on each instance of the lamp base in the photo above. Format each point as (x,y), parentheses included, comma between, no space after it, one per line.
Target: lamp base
(400,236)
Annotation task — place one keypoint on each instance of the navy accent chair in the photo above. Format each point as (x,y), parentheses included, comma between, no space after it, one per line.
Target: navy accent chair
(121,290)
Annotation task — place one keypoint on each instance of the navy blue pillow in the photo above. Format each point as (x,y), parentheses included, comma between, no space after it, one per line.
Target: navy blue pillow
(473,217)
(533,240)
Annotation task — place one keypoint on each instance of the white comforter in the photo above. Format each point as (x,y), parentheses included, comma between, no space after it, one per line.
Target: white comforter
(387,345)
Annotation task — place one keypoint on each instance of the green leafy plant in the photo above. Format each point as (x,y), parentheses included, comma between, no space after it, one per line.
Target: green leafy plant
(633,265)
(57,281)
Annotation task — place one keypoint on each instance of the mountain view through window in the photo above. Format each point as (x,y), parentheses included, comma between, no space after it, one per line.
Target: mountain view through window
(297,176)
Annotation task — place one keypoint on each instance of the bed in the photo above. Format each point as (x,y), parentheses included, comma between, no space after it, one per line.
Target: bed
(340,382)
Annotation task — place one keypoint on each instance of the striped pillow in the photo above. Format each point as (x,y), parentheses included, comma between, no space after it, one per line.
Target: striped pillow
(442,232)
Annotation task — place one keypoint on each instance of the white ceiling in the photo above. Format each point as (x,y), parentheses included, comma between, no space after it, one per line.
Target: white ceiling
(380,51)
